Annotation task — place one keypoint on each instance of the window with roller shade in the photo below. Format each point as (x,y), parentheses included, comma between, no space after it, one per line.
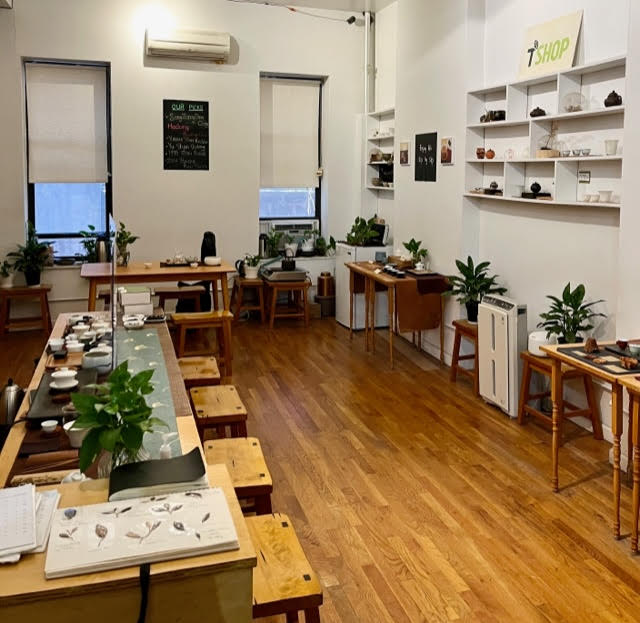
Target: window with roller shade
(68,151)
(290,149)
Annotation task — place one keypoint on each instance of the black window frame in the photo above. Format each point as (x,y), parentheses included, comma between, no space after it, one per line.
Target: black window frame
(31,193)
(318,214)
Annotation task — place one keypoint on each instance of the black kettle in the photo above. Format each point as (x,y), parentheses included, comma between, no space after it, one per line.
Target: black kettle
(240,267)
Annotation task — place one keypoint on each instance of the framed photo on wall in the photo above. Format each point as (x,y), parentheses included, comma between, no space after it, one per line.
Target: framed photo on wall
(446,151)
(405,153)
(425,157)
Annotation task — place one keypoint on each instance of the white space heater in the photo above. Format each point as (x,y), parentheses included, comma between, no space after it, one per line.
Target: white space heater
(502,336)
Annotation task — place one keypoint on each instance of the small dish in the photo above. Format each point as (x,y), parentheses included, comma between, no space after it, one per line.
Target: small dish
(595,198)
(56,344)
(148,264)
(211,260)
(133,324)
(565,153)
(76,435)
(622,343)
(49,426)
(194,264)
(605,195)
(585,152)
(63,388)
(64,377)
(576,152)
(95,359)
(75,347)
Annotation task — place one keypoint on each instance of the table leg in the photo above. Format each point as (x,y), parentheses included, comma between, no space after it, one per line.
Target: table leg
(616,429)
(634,415)
(441,329)
(366,313)
(556,397)
(225,291)
(91,302)
(372,309)
(390,302)
(4,313)
(630,438)
(351,288)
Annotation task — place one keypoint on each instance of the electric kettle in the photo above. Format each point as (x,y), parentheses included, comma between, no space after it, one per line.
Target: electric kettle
(10,401)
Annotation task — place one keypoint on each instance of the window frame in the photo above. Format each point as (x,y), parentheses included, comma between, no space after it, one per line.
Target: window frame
(318,189)
(31,191)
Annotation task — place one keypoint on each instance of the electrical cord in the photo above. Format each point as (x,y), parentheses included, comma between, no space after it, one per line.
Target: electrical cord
(350,20)
(145,573)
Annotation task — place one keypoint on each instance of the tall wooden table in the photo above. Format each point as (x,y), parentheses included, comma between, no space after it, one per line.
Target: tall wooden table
(213,587)
(616,381)
(136,272)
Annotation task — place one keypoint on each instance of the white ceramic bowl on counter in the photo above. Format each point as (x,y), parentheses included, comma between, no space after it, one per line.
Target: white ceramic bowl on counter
(75,346)
(96,359)
(56,344)
(76,435)
(49,426)
(605,195)
(212,260)
(64,378)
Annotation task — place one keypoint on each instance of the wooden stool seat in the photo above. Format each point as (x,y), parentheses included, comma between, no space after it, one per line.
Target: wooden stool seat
(283,580)
(186,293)
(220,321)
(247,468)
(240,284)
(298,300)
(20,293)
(217,407)
(104,295)
(543,365)
(198,371)
(469,331)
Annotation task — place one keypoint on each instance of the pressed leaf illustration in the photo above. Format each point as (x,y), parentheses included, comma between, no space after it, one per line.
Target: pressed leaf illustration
(158,498)
(133,535)
(193,494)
(178,525)
(70,513)
(149,525)
(101,533)
(167,508)
(206,517)
(198,535)
(117,511)
(68,534)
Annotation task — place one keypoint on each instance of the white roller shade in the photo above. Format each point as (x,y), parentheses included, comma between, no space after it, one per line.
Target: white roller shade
(289,111)
(67,123)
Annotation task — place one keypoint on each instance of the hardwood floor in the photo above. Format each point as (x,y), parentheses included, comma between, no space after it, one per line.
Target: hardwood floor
(413,500)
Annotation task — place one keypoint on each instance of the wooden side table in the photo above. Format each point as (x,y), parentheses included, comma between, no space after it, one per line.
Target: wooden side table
(22,293)
(298,300)
(469,331)
(240,284)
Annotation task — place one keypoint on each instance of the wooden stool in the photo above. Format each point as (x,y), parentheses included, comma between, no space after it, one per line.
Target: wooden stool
(249,474)
(542,365)
(218,320)
(21,293)
(240,284)
(105,296)
(199,371)
(469,331)
(218,407)
(298,300)
(283,581)
(188,293)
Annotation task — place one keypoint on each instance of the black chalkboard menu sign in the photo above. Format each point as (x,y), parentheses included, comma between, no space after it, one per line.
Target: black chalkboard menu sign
(186,135)
(425,159)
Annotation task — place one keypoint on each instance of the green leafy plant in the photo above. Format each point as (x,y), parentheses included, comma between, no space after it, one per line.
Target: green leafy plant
(332,243)
(473,282)
(117,415)
(414,247)
(310,234)
(5,269)
(273,242)
(569,315)
(31,257)
(320,246)
(288,239)
(124,238)
(361,231)
(252,260)
(90,243)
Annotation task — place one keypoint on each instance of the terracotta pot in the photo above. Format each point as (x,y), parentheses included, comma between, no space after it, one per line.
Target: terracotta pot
(490,154)
(480,153)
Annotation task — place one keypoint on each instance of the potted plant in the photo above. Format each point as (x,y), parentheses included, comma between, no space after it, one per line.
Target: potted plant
(6,276)
(31,257)
(331,247)
(569,315)
(418,255)
(290,246)
(472,284)
(308,241)
(117,417)
(123,239)
(273,242)
(320,246)
(90,243)
(251,266)
(361,231)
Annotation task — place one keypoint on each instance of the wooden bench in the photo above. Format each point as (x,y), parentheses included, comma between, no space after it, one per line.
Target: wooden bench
(199,371)
(248,470)
(469,331)
(240,284)
(283,580)
(298,306)
(219,407)
(25,293)
(186,293)
(220,321)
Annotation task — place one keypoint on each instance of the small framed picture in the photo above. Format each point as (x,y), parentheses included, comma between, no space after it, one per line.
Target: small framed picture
(584,177)
(446,151)
(405,153)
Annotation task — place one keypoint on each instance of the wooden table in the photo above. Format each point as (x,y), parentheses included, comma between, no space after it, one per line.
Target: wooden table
(135,272)
(632,384)
(213,587)
(615,380)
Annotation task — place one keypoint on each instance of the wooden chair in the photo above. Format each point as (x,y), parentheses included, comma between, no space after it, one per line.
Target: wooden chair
(220,321)
(298,306)
(218,407)
(188,293)
(240,284)
(22,293)
(199,371)
(542,365)
(469,331)
(283,580)
(248,470)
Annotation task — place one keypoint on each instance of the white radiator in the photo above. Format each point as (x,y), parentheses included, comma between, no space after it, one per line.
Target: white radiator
(502,335)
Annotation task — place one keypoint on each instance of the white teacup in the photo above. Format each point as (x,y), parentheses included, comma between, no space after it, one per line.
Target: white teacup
(56,344)
(76,435)
(75,347)
(64,377)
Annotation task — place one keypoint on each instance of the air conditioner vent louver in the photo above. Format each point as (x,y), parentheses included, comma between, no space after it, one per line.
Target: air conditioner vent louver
(203,45)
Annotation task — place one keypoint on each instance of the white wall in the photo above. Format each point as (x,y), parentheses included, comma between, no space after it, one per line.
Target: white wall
(171,209)
(386,41)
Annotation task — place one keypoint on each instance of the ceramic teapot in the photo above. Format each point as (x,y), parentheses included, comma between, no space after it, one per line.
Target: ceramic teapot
(613,99)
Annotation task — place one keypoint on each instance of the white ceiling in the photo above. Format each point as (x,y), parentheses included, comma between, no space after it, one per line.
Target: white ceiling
(342,5)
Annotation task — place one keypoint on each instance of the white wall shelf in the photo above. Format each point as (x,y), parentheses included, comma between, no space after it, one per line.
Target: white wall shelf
(378,114)
(382,122)
(379,164)
(387,188)
(553,202)
(379,139)
(584,159)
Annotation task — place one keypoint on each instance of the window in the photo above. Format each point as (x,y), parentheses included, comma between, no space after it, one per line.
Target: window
(68,144)
(290,150)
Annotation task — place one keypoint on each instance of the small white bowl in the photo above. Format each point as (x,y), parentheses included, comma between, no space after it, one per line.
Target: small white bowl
(75,347)
(56,344)
(49,426)
(102,348)
(89,335)
(74,319)
(605,195)
(76,435)
(100,326)
(148,264)
(133,323)
(64,378)
(212,260)
(96,359)
(194,264)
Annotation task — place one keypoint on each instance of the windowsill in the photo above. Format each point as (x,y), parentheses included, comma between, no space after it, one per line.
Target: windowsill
(64,267)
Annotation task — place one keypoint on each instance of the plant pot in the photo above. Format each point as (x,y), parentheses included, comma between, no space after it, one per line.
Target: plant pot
(251,272)
(472,311)
(6,282)
(307,246)
(123,257)
(121,456)
(292,247)
(32,277)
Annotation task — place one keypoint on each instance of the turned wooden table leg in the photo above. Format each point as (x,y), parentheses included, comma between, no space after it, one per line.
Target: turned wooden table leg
(634,416)
(351,288)
(616,429)
(390,301)
(91,301)
(225,291)
(556,397)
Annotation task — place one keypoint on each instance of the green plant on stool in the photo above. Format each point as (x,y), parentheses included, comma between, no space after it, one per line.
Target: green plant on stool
(569,315)
(472,284)
(31,257)
(117,417)
(273,242)
(251,264)
(417,253)
(124,238)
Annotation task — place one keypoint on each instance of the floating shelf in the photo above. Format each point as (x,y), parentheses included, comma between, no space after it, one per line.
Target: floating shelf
(528,160)
(497,124)
(377,139)
(587,204)
(385,112)
(379,164)
(387,188)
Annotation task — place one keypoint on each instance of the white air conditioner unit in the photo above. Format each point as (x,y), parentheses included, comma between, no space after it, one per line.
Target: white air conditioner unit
(293,228)
(200,45)
(6,4)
